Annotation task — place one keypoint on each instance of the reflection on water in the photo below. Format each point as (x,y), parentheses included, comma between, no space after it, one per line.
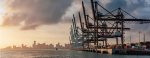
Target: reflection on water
(60,54)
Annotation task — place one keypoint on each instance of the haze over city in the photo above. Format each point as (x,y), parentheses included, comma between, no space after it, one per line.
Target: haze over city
(49,21)
(37,45)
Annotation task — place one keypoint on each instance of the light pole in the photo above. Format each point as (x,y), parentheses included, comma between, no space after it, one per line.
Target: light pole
(130,39)
(139,37)
(144,38)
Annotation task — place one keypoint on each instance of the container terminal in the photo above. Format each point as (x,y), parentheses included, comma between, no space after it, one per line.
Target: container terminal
(96,28)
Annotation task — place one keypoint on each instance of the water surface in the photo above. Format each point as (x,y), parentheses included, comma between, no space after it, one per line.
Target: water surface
(60,54)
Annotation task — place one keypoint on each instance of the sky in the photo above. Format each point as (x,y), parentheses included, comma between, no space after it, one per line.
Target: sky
(49,21)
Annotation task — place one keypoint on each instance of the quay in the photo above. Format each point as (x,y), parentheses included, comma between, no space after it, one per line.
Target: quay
(117,51)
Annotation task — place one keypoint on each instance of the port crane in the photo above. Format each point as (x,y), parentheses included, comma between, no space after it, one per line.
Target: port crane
(100,27)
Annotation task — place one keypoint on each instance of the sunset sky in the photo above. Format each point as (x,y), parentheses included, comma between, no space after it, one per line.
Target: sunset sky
(48,21)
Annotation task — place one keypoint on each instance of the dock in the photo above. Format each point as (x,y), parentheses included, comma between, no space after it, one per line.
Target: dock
(118,51)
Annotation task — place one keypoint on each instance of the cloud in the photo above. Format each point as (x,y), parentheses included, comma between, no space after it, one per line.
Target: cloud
(34,12)
(128,5)
(113,4)
(30,14)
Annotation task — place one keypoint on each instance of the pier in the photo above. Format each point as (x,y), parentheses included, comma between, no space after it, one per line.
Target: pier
(96,28)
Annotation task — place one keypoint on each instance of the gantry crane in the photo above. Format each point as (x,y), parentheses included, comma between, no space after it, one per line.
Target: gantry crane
(101,27)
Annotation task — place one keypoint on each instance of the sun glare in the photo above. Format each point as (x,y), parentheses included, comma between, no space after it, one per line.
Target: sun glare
(2,11)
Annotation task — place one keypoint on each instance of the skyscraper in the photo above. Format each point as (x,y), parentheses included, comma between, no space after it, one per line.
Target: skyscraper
(34,44)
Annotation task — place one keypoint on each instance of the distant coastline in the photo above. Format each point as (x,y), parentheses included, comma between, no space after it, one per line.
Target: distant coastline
(28,49)
(38,46)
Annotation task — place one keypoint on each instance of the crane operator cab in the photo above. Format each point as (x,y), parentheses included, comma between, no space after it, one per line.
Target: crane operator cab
(118,34)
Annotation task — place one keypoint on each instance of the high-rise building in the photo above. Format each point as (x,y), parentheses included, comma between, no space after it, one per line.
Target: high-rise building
(59,46)
(34,44)
(67,46)
(51,46)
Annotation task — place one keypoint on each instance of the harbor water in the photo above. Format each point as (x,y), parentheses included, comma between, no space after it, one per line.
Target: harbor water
(60,54)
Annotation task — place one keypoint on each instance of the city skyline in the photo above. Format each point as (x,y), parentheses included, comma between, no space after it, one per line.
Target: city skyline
(37,45)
